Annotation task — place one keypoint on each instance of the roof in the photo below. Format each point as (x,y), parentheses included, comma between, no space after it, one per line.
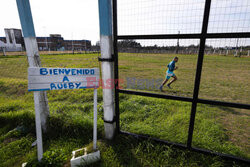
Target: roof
(12,29)
(77,40)
(43,37)
(49,37)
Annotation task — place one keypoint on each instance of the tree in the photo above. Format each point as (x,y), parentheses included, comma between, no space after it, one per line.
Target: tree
(128,43)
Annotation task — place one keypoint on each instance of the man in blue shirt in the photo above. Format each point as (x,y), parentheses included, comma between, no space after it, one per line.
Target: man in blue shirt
(170,73)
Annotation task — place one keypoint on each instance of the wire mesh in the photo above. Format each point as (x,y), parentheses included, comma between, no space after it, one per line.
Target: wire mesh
(158,118)
(223,129)
(225,68)
(142,17)
(229,16)
(143,64)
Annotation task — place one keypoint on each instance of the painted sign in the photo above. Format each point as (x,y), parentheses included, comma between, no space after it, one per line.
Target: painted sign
(42,79)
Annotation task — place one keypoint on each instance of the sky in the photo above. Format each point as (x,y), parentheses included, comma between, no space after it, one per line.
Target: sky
(79,19)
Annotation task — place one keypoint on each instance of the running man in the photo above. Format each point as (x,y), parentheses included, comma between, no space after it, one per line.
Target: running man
(170,73)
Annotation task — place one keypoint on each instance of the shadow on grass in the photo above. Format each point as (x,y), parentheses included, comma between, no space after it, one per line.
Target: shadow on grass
(232,110)
(122,147)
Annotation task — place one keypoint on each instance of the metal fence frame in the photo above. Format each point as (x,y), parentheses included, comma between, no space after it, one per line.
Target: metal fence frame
(195,100)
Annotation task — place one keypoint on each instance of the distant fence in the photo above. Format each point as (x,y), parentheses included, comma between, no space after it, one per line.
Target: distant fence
(51,52)
(186,51)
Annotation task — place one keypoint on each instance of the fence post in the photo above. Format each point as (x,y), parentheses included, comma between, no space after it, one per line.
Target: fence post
(236,53)
(4,53)
(32,52)
(40,98)
(95,120)
(39,138)
(198,72)
(105,20)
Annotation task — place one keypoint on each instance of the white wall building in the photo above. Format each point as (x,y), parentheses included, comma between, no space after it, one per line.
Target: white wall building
(2,44)
(13,40)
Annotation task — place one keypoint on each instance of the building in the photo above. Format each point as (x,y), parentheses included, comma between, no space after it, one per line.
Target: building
(54,42)
(13,41)
(3,39)
(2,45)
(79,45)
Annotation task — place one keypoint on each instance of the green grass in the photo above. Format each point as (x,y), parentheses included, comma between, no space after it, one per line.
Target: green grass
(225,130)
(223,78)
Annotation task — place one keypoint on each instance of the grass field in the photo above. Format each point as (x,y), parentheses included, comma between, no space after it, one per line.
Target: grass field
(223,78)
(221,129)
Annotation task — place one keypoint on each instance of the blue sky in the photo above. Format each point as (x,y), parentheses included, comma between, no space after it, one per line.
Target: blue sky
(78,19)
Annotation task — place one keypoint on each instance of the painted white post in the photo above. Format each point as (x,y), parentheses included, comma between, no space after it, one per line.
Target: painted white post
(105,20)
(248,52)
(40,98)
(236,53)
(32,52)
(95,120)
(4,53)
(38,127)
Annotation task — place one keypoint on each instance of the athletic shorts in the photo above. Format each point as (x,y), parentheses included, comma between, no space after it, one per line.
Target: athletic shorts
(169,74)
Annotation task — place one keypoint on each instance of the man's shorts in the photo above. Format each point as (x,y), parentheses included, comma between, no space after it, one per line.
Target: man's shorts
(169,74)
